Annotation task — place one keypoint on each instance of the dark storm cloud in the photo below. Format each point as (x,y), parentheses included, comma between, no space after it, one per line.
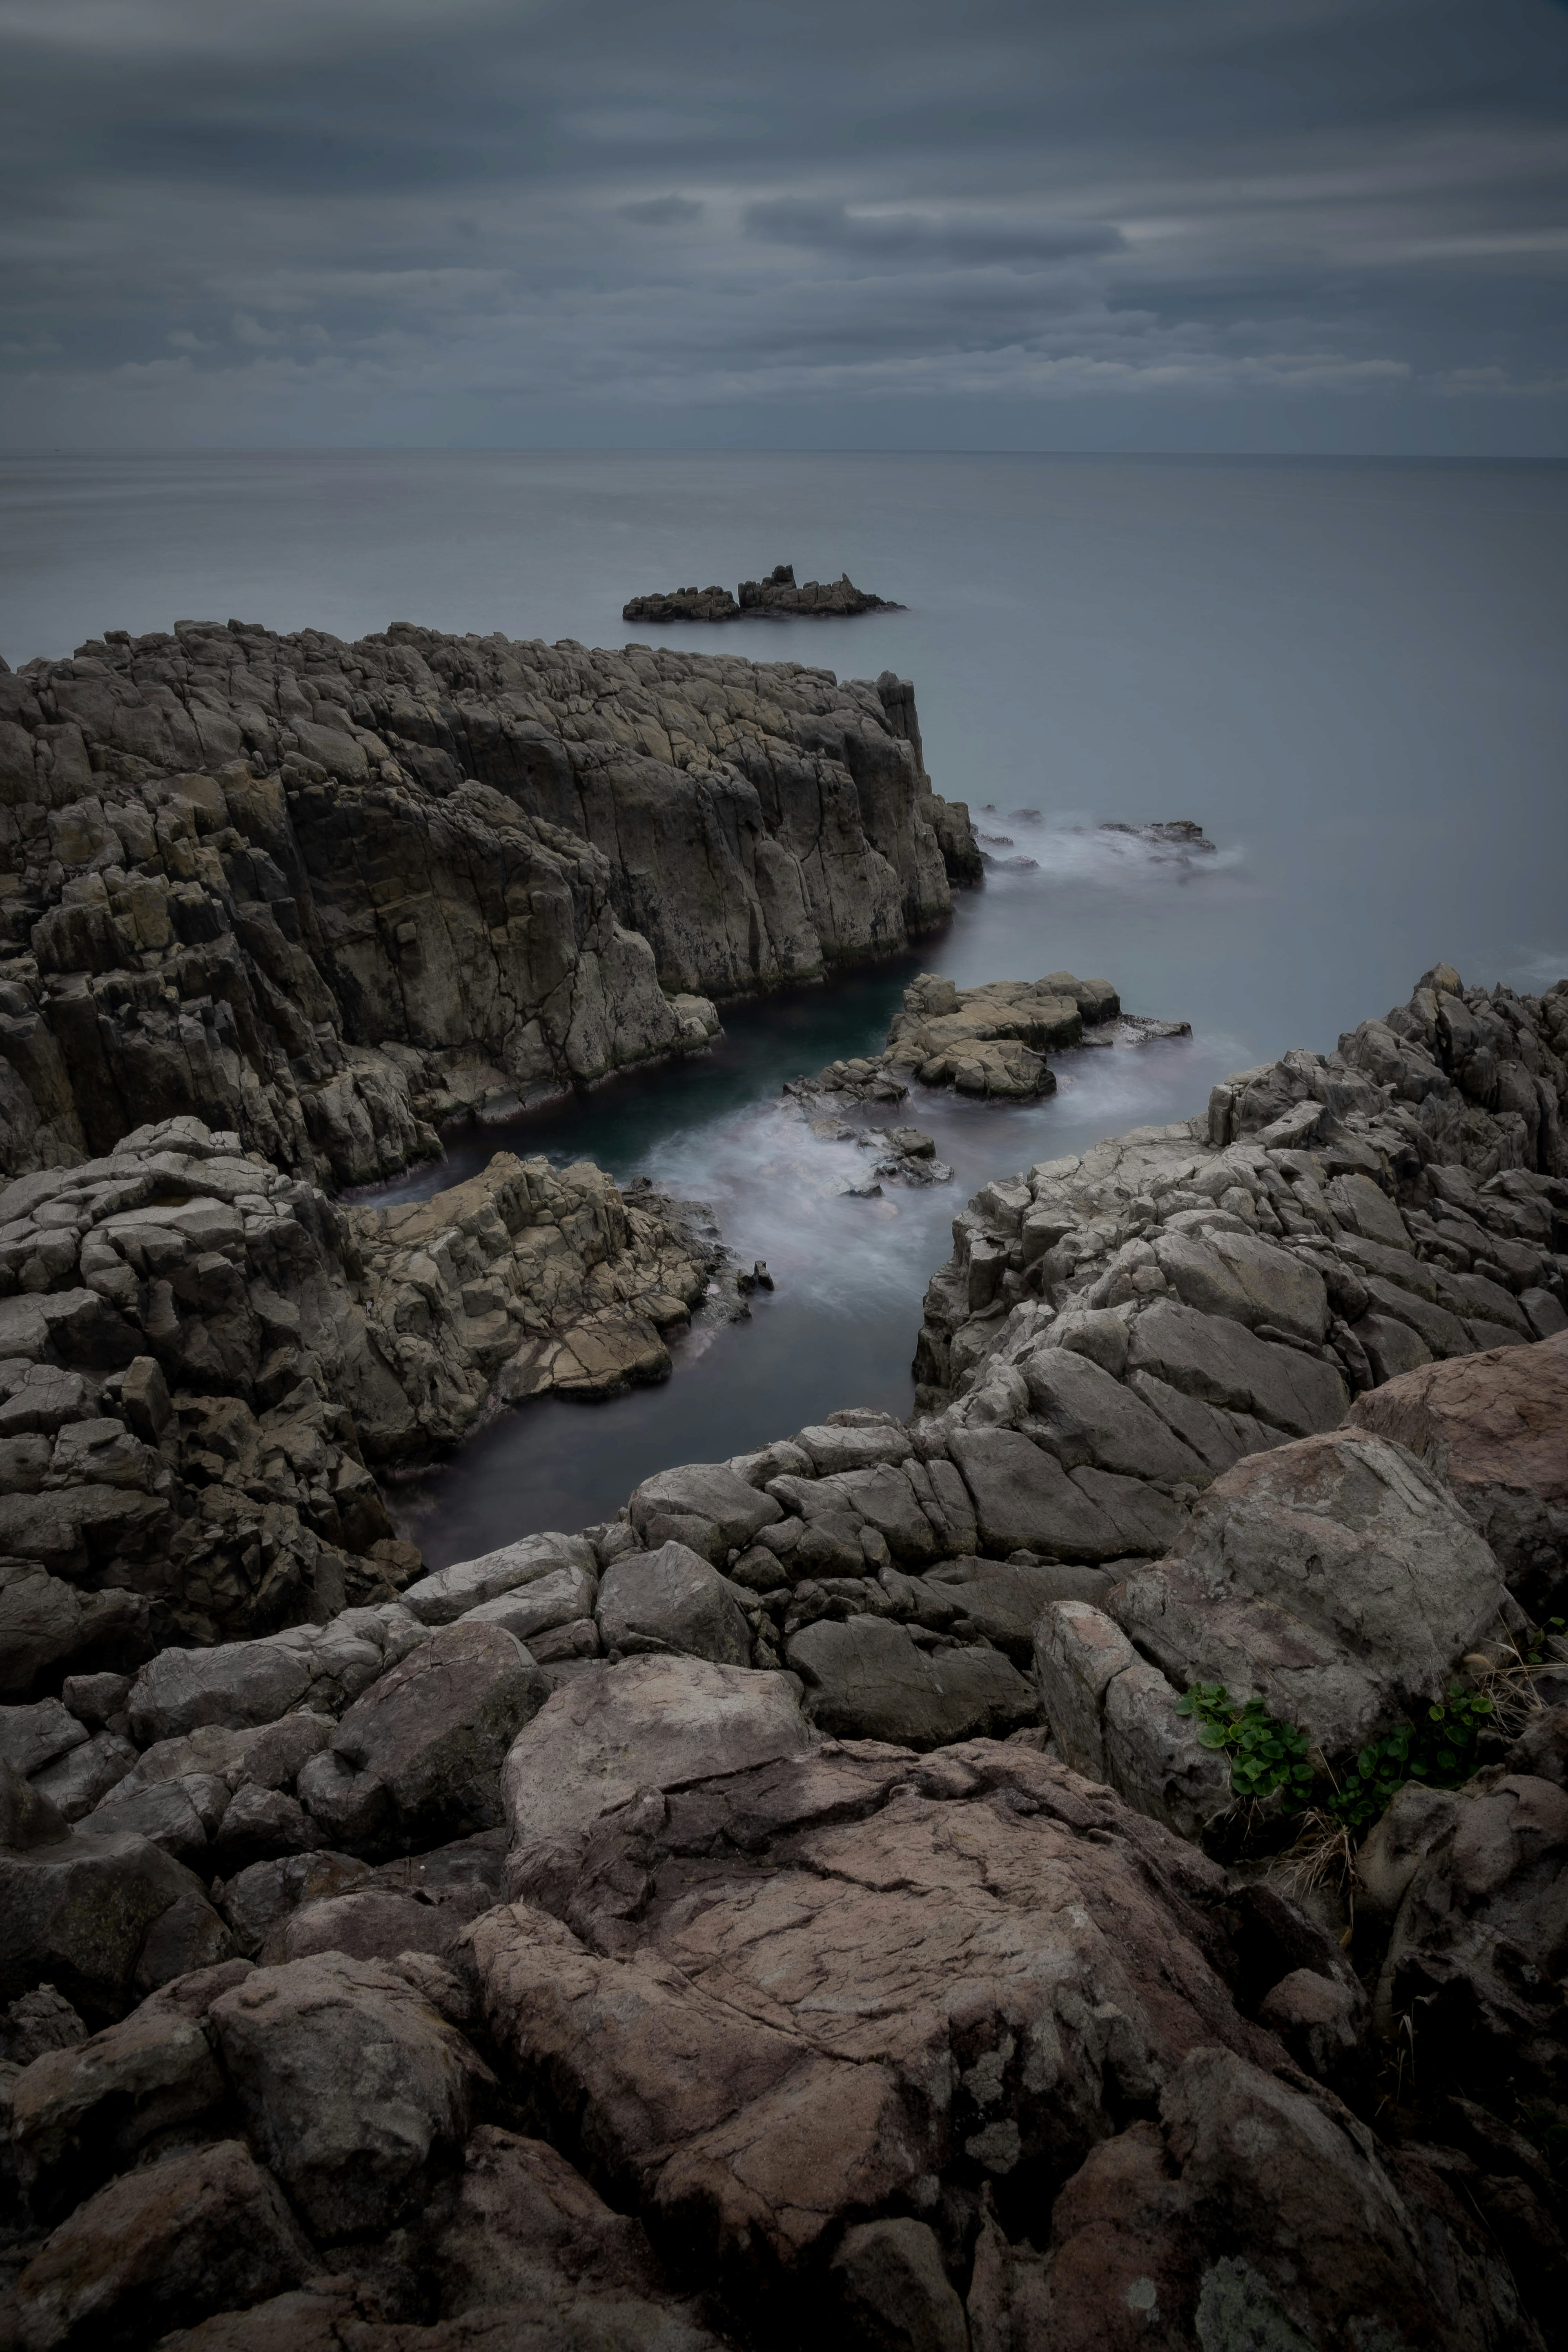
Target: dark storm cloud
(329,219)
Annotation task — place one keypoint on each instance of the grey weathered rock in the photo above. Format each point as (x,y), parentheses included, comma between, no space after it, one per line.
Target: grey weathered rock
(355,2090)
(671,1600)
(1023,1499)
(1332,1223)
(79,1779)
(897,2294)
(226,1473)
(79,1908)
(1252,2213)
(1114,1719)
(257,1899)
(905,1970)
(865,1679)
(418,1756)
(32,1737)
(321,1668)
(451,1593)
(420,874)
(79,2114)
(733,1511)
(1472,1956)
(646,1723)
(1335,1579)
(1491,1427)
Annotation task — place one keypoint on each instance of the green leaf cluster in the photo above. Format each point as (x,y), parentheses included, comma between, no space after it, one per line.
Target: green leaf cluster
(1439,1747)
(1265,1754)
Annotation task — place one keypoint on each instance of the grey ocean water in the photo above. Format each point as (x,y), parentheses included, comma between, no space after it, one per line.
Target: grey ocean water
(1349,673)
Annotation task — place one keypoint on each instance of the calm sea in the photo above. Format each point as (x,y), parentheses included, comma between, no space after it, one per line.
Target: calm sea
(1350,674)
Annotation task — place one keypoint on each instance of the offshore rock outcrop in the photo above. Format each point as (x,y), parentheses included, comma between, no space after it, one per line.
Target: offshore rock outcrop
(330,895)
(776,596)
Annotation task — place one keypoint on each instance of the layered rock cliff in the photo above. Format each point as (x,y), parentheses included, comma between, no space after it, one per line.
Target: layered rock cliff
(328,895)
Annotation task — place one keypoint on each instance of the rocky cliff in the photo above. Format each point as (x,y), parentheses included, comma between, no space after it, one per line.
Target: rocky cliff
(328,895)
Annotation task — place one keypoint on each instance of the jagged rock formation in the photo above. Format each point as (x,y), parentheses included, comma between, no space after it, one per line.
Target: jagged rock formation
(202,1359)
(684,605)
(331,894)
(869,2016)
(993,1040)
(777,595)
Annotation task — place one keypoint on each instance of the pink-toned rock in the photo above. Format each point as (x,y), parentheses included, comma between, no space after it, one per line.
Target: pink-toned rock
(1494,1428)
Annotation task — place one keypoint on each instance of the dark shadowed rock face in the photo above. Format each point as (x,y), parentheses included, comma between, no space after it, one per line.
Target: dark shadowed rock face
(777,597)
(328,895)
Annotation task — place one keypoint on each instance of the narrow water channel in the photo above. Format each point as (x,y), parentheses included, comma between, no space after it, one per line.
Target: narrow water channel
(840,1327)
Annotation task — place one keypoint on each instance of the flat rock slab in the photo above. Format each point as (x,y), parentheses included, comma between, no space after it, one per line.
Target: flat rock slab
(646,1723)
(866,1679)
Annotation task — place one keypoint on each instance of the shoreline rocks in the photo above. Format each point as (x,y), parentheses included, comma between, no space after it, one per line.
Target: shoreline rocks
(205,1362)
(822,1857)
(777,597)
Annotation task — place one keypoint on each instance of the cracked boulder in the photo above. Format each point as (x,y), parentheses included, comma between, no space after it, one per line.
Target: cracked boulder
(418,1756)
(858,1986)
(1335,1579)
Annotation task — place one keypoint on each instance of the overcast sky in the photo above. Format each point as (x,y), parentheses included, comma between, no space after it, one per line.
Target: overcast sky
(904,224)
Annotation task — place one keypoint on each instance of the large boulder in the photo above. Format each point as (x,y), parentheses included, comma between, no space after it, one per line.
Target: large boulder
(1115,1718)
(1226,1363)
(521,2231)
(451,1593)
(204,2230)
(854,1987)
(865,1678)
(355,2090)
(672,1600)
(704,1504)
(240,1683)
(1026,1501)
(97,1913)
(417,1757)
(82,2112)
(1335,1579)
(1248,2215)
(1494,1428)
(1474,1959)
(646,1723)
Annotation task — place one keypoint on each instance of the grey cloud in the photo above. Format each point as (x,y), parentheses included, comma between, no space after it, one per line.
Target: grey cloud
(662,212)
(879,200)
(916,236)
